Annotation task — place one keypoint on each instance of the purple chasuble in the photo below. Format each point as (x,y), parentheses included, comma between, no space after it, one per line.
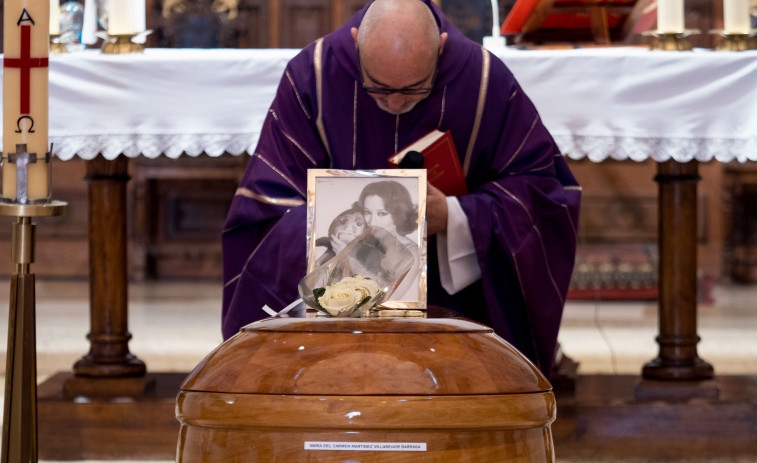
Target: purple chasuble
(522,207)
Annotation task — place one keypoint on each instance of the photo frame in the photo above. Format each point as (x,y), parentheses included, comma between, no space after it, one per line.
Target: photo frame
(343,202)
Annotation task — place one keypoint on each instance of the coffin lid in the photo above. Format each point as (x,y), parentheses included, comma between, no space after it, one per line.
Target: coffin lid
(375,356)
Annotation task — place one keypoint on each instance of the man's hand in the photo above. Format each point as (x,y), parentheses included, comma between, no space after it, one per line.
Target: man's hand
(436,210)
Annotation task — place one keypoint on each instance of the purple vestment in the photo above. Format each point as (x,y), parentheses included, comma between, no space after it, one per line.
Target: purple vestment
(522,207)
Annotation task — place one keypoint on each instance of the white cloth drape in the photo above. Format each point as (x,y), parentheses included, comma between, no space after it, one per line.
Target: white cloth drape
(598,103)
(632,103)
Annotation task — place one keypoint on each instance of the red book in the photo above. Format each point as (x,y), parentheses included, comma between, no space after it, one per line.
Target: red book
(440,160)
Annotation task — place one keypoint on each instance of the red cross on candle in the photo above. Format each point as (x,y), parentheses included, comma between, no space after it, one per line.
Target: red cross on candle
(25,63)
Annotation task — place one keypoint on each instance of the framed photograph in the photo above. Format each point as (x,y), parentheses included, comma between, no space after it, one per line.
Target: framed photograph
(342,204)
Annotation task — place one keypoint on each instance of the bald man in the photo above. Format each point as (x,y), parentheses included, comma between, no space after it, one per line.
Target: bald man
(502,254)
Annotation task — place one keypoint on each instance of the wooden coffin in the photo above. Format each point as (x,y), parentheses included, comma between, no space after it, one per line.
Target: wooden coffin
(365,390)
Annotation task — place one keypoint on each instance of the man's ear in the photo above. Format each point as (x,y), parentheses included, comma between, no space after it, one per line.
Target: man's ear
(442,40)
(353,33)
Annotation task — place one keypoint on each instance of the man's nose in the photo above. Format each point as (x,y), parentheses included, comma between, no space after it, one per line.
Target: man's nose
(396,101)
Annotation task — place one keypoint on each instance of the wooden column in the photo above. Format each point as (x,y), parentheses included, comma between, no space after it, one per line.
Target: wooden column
(109,354)
(678,338)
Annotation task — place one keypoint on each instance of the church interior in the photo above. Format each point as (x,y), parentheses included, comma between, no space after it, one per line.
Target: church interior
(614,404)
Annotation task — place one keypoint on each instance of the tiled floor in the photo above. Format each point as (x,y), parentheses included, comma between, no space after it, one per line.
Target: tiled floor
(175,324)
(619,337)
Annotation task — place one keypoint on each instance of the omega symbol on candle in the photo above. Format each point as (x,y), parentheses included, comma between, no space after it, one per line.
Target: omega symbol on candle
(29,127)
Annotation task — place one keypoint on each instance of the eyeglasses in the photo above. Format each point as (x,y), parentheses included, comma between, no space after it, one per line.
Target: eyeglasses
(402,91)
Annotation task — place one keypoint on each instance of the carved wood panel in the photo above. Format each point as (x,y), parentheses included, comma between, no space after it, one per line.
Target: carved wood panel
(253,19)
(302,21)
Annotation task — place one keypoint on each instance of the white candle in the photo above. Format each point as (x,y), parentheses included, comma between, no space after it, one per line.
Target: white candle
(54,17)
(25,78)
(670,16)
(126,17)
(736,16)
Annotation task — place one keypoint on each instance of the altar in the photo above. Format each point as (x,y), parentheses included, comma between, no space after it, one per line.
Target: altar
(599,104)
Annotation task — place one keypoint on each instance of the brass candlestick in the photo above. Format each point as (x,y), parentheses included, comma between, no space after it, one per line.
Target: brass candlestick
(736,41)
(20,413)
(123,43)
(670,41)
(56,46)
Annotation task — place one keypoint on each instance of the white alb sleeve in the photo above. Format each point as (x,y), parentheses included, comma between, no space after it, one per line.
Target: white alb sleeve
(458,264)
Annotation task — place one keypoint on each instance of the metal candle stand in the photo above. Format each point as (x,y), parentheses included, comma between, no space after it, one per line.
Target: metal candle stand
(123,43)
(670,41)
(56,46)
(736,41)
(19,443)
(119,44)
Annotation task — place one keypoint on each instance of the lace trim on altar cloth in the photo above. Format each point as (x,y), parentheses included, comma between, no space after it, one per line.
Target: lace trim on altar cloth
(151,146)
(595,148)
(601,148)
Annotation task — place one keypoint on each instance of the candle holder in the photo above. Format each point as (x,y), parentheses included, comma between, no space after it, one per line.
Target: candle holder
(670,41)
(19,442)
(56,45)
(22,161)
(736,41)
(123,43)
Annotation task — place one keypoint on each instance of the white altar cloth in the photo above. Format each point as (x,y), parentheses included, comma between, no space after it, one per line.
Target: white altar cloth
(633,103)
(600,103)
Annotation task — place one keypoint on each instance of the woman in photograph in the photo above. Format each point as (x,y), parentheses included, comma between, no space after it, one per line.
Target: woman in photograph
(387,204)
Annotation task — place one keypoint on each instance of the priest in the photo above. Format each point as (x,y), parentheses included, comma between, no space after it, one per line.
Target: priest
(502,254)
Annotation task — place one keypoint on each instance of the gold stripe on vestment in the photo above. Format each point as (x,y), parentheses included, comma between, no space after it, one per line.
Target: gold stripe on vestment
(273,113)
(512,95)
(247,193)
(252,254)
(549,164)
(522,144)
(289,181)
(444,104)
(528,313)
(294,142)
(479,110)
(570,219)
(573,187)
(396,132)
(546,264)
(538,233)
(233,280)
(318,65)
(297,94)
(354,127)
(525,209)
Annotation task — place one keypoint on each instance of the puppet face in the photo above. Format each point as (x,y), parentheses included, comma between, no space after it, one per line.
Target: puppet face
(349,226)
(376,214)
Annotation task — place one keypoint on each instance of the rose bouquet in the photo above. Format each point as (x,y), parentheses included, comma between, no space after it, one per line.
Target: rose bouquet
(346,296)
(364,274)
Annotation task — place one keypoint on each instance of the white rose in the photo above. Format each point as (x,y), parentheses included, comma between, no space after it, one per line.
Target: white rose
(342,297)
(338,299)
(365,286)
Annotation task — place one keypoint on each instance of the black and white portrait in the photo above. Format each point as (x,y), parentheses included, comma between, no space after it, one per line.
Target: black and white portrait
(346,203)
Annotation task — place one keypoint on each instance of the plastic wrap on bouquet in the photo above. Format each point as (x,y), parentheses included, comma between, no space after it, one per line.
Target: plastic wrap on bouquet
(363,275)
